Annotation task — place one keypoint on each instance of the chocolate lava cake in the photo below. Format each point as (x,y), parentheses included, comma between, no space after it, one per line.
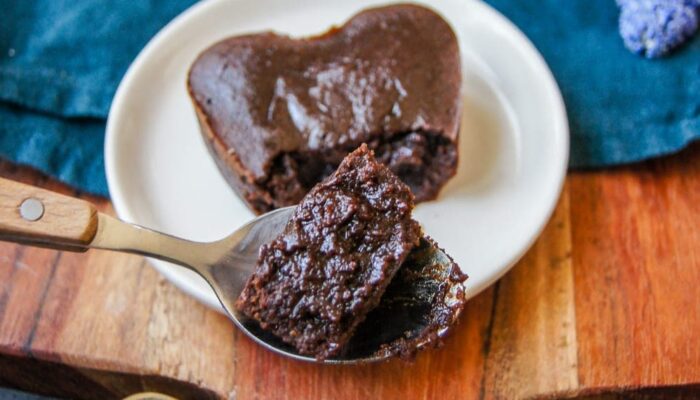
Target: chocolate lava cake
(317,281)
(279,114)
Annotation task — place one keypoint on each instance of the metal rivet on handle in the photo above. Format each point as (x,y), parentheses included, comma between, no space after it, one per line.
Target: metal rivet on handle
(31,209)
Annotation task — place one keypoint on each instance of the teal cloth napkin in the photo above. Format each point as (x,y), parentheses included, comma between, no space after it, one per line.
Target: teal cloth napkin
(61,61)
(60,64)
(11,394)
(621,107)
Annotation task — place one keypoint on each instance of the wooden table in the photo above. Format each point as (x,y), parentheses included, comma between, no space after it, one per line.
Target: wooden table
(606,302)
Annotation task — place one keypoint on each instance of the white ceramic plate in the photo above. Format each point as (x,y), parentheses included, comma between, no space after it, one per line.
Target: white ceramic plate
(513,145)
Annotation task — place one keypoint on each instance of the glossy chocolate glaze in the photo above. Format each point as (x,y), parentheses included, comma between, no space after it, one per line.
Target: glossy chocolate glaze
(279,114)
(330,266)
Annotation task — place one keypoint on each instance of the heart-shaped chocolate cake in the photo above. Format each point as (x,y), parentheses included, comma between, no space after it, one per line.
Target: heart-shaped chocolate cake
(279,114)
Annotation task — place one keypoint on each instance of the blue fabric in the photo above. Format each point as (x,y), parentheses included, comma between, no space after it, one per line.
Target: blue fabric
(60,64)
(622,107)
(61,61)
(11,394)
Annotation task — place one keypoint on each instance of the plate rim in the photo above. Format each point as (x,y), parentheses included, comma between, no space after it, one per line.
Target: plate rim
(190,287)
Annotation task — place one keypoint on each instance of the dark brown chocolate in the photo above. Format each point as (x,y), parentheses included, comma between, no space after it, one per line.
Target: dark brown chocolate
(330,266)
(418,309)
(279,114)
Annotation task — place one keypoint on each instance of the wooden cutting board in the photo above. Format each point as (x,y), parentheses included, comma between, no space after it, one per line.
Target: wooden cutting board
(606,302)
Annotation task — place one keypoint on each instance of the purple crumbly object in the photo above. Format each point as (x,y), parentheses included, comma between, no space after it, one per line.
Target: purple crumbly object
(653,28)
(689,3)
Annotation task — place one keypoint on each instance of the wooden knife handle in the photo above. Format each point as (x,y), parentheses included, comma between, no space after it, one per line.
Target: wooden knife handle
(39,217)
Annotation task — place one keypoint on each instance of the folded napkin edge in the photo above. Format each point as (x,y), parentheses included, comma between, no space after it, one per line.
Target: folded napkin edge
(39,90)
(586,155)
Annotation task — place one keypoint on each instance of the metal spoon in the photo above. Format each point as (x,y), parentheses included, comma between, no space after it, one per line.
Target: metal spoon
(38,217)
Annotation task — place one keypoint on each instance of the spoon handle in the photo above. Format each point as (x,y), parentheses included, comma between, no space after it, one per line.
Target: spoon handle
(39,217)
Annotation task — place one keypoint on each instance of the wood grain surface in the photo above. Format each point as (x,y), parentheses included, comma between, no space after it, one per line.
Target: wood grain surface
(605,305)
